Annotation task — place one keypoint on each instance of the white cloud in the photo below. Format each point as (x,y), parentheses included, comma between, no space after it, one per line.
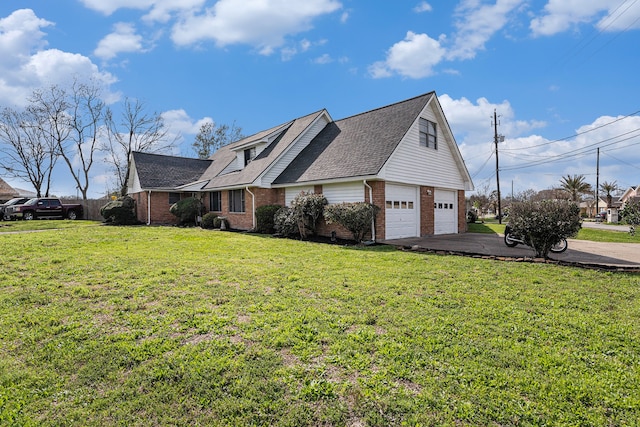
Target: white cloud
(562,15)
(27,63)
(423,7)
(180,123)
(263,24)
(159,10)
(477,24)
(529,160)
(413,57)
(323,59)
(123,39)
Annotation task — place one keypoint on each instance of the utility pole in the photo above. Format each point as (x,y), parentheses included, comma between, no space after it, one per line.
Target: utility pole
(496,137)
(597,181)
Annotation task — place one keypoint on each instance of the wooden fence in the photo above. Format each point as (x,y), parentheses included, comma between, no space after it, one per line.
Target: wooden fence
(91,206)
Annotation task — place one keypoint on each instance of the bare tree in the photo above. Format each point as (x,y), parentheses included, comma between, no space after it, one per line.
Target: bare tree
(73,121)
(210,138)
(137,130)
(28,153)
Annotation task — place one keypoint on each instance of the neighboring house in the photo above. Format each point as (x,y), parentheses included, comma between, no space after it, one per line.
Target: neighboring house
(588,207)
(7,192)
(632,193)
(402,158)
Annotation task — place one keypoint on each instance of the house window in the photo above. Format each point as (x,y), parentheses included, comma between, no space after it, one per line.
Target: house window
(215,201)
(174,198)
(249,155)
(236,200)
(428,134)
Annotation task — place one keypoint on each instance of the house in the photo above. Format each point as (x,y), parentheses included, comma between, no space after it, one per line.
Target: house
(7,192)
(588,207)
(401,157)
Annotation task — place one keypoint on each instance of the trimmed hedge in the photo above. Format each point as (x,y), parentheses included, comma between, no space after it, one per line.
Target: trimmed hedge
(120,211)
(355,217)
(187,210)
(211,220)
(265,218)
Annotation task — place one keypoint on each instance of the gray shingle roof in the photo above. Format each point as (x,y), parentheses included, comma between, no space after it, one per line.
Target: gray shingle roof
(6,191)
(166,172)
(356,146)
(288,133)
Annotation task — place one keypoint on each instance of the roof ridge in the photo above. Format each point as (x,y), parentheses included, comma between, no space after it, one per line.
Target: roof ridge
(388,106)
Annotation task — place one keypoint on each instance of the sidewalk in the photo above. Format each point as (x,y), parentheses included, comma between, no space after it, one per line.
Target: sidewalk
(581,253)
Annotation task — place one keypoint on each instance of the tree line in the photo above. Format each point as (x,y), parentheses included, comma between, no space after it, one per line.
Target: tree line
(571,187)
(72,123)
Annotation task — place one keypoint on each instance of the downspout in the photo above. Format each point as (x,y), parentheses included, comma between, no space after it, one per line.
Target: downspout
(373,224)
(253,207)
(149,207)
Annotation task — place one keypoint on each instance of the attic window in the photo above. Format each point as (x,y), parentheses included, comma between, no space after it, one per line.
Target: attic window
(428,134)
(249,155)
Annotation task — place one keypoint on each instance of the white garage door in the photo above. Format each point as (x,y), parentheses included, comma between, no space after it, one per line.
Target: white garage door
(445,212)
(401,211)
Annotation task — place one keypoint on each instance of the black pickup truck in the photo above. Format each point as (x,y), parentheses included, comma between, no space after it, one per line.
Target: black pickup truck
(44,207)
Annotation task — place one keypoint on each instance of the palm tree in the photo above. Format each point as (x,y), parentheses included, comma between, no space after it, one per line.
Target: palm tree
(607,188)
(575,185)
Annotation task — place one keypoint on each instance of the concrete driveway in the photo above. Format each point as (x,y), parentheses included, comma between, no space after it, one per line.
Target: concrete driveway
(609,256)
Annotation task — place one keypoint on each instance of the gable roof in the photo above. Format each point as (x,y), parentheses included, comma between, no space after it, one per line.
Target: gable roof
(285,136)
(158,171)
(6,191)
(356,146)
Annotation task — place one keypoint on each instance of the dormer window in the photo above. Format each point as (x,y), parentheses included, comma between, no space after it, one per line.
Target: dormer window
(249,155)
(428,134)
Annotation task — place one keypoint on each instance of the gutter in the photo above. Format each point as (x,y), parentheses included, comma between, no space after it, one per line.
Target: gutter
(373,224)
(253,206)
(149,207)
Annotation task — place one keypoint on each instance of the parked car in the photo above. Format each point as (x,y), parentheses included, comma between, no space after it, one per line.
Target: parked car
(601,217)
(44,207)
(14,201)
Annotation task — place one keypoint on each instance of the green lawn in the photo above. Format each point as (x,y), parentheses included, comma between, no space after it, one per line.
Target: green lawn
(150,326)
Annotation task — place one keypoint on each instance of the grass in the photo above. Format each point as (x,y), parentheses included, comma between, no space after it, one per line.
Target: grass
(17,226)
(147,326)
(591,234)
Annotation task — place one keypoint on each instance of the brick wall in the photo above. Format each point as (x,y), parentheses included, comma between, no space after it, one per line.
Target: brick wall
(427,214)
(462,214)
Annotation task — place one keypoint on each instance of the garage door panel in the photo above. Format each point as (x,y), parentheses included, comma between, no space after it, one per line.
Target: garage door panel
(445,212)
(401,211)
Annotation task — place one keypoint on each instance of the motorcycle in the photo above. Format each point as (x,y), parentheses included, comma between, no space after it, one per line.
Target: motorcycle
(511,239)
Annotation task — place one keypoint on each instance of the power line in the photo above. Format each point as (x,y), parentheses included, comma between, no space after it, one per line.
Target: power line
(575,135)
(581,152)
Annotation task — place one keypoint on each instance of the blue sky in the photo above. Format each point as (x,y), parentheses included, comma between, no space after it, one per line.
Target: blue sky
(562,74)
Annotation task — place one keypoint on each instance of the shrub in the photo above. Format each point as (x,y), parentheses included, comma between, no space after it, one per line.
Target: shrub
(307,209)
(355,217)
(211,220)
(120,211)
(472,217)
(285,223)
(545,223)
(208,220)
(187,210)
(265,218)
(631,212)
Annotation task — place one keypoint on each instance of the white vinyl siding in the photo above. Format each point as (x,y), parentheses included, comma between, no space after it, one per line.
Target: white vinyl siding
(233,166)
(291,193)
(414,164)
(297,147)
(345,192)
